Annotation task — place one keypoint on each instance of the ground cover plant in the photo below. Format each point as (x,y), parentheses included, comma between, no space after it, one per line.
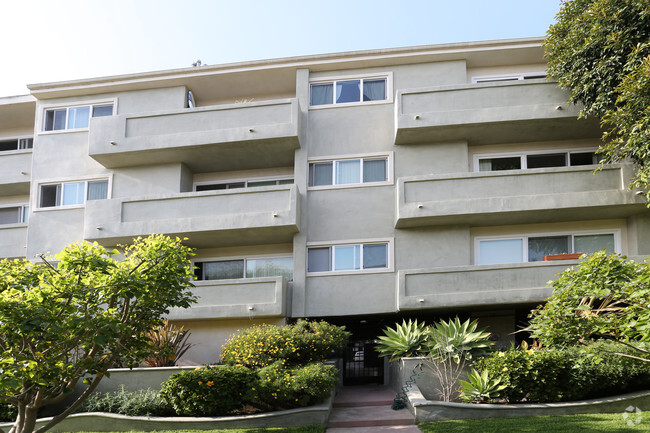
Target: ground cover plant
(144,402)
(596,423)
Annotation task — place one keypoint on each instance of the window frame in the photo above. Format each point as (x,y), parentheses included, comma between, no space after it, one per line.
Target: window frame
(23,209)
(246,181)
(333,159)
(86,180)
(477,157)
(524,237)
(22,144)
(388,76)
(91,106)
(521,76)
(384,241)
(244,259)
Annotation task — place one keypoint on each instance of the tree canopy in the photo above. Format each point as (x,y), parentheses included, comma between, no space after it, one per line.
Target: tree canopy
(600,51)
(604,297)
(63,323)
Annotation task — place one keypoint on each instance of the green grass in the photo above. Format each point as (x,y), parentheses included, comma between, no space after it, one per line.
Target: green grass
(610,422)
(303,429)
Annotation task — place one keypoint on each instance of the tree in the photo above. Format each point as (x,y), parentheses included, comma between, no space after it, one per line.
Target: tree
(604,297)
(63,324)
(599,50)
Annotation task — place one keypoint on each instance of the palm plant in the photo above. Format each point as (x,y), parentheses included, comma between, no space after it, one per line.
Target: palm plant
(170,342)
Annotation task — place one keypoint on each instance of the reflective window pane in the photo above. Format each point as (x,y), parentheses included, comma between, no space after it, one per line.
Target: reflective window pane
(103,110)
(318,259)
(73,193)
(78,117)
(10,215)
(501,251)
(375,256)
(347,257)
(270,267)
(228,269)
(589,244)
(538,247)
(546,160)
(320,174)
(374,90)
(322,94)
(584,158)
(348,172)
(374,170)
(98,190)
(348,91)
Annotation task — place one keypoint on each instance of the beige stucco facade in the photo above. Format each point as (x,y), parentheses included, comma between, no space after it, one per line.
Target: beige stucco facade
(446,110)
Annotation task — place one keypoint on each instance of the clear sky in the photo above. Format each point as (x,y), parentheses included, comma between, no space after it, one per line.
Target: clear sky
(60,40)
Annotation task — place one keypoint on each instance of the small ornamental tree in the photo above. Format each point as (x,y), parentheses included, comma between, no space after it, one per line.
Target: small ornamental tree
(63,324)
(605,297)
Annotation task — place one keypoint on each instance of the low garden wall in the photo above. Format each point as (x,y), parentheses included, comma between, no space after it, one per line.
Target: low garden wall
(426,410)
(405,370)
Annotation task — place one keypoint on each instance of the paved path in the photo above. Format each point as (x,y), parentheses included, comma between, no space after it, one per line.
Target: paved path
(367,409)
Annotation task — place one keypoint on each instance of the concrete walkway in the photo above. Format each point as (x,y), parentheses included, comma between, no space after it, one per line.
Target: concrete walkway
(367,409)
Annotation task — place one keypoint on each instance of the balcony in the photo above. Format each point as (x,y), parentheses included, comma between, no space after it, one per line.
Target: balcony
(214,138)
(517,196)
(13,239)
(465,286)
(242,298)
(486,113)
(15,168)
(247,216)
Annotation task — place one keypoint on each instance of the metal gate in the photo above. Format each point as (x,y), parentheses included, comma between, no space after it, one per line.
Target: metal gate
(362,364)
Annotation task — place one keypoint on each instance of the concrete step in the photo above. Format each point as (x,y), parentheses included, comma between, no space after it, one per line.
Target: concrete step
(370,395)
(367,416)
(371,429)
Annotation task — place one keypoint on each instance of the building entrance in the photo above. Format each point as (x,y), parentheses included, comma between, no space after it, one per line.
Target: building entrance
(362,364)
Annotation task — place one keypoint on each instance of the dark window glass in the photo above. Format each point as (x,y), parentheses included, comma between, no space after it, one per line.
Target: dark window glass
(584,158)
(211,187)
(375,256)
(103,110)
(50,195)
(320,173)
(10,215)
(228,269)
(547,245)
(374,170)
(318,259)
(546,160)
(8,145)
(498,164)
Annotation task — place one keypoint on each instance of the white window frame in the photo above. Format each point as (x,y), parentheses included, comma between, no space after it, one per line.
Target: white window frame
(525,237)
(389,256)
(90,104)
(242,180)
(24,215)
(334,159)
(509,77)
(21,144)
(388,76)
(37,199)
(522,156)
(244,258)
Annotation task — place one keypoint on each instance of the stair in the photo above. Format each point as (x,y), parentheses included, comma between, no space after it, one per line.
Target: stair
(367,409)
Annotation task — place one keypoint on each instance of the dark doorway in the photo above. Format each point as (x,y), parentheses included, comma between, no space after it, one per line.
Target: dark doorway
(362,364)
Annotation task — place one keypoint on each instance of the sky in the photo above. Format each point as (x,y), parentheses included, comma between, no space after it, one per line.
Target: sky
(61,40)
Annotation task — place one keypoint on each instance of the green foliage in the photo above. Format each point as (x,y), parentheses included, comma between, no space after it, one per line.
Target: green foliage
(574,373)
(301,343)
(8,412)
(406,340)
(60,324)
(480,387)
(604,296)
(208,391)
(132,403)
(169,342)
(600,51)
(454,340)
(283,387)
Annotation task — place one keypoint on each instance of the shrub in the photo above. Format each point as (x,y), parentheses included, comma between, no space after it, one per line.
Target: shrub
(133,403)
(301,343)
(282,387)
(574,373)
(8,412)
(208,391)
(169,342)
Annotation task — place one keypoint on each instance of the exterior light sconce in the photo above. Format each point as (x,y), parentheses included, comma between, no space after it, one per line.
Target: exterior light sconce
(420,206)
(559,108)
(275,214)
(421,300)
(100,228)
(416,117)
(250,307)
(251,130)
(23,172)
(639,193)
(113,143)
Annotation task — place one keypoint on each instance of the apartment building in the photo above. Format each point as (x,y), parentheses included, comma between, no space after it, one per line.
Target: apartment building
(359,188)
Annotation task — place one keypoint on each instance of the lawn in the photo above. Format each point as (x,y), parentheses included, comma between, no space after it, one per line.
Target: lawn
(611,422)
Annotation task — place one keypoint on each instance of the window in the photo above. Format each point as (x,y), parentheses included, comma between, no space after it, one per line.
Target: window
(347,257)
(244,268)
(59,119)
(534,248)
(16,144)
(14,214)
(72,193)
(240,184)
(349,91)
(513,77)
(348,171)
(536,160)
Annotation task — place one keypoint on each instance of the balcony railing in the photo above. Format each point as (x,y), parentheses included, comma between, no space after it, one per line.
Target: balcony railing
(517,196)
(214,138)
(246,216)
(13,239)
(241,298)
(464,286)
(484,113)
(15,172)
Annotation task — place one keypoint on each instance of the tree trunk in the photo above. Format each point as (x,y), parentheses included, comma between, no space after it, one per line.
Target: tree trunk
(25,421)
